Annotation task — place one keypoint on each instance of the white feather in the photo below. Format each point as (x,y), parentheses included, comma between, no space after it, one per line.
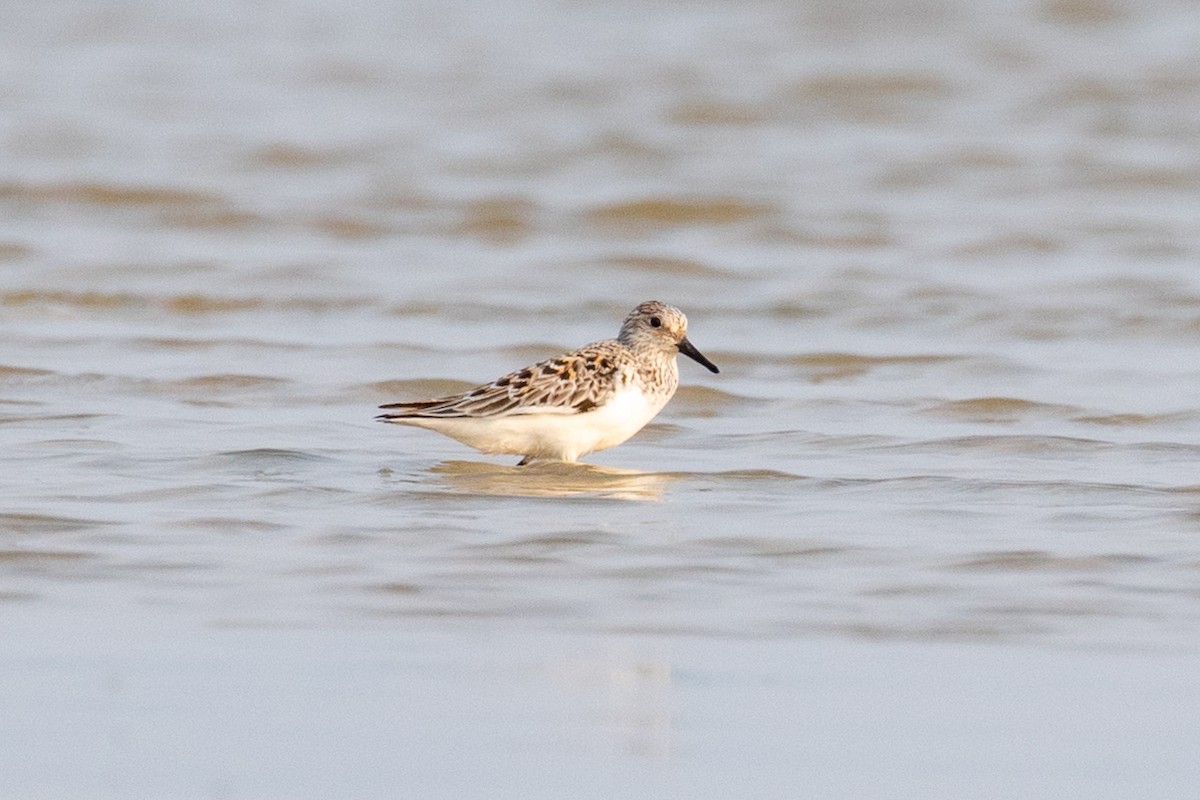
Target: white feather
(551,435)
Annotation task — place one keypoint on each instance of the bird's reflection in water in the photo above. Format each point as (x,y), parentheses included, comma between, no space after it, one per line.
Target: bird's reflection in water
(552,479)
(629,685)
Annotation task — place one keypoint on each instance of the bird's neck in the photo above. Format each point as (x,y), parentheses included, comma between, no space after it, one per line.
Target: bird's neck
(658,372)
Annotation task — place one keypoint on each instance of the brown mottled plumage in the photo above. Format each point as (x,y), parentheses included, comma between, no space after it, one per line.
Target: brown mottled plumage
(586,400)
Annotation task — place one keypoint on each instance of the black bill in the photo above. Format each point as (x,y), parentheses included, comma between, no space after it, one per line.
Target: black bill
(689,350)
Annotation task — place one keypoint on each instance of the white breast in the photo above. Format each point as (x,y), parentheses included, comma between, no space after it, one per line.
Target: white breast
(553,435)
(625,414)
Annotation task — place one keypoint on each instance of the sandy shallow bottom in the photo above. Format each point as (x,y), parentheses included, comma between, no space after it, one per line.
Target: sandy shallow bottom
(113,712)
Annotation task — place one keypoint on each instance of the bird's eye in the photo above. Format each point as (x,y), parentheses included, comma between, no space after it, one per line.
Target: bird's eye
(655,322)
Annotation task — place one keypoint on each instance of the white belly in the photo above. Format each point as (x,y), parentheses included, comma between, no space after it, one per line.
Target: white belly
(560,436)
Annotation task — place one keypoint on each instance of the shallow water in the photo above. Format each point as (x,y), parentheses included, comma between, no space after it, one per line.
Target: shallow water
(941,500)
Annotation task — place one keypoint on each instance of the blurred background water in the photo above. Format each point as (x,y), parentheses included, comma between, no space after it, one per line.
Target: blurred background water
(932,532)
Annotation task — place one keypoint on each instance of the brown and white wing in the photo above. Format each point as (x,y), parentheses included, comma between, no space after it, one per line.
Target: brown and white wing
(573,383)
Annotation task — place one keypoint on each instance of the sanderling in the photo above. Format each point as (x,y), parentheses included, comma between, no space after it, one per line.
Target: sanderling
(580,402)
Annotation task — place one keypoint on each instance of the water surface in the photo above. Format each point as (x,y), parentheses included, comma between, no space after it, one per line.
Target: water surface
(932,532)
